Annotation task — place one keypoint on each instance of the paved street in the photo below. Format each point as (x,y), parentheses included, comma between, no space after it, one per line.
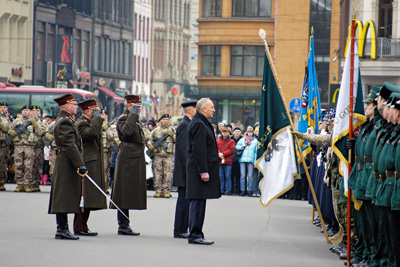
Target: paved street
(245,234)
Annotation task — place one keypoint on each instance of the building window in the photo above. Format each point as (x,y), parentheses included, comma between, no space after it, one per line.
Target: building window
(212,8)
(127,59)
(85,51)
(40,42)
(50,42)
(77,48)
(251,8)
(211,60)
(170,11)
(97,53)
(247,61)
(385,18)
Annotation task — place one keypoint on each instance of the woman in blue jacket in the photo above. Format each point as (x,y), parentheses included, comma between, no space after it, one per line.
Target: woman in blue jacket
(248,144)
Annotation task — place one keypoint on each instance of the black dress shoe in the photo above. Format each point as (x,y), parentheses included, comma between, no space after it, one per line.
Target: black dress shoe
(86,233)
(65,234)
(201,241)
(242,193)
(127,231)
(183,235)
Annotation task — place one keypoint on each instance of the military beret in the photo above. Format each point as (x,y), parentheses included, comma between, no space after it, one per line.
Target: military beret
(133,99)
(165,115)
(64,99)
(26,107)
(189,103)
(151,121)
(3,104)
(35,107)
(88,104)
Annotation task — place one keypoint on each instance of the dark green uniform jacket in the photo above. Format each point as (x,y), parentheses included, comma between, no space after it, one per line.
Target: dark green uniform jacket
(90,132)
(65,192)
(130,185)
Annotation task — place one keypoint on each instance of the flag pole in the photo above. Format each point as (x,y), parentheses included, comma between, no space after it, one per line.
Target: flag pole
(271,63)
(353,23)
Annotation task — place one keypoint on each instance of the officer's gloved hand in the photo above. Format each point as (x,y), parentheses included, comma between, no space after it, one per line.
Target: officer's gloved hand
(96,112)
(134,109)
(82,170)
(350,143)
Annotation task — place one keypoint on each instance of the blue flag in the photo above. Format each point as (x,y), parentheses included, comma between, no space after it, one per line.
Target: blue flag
(310,111)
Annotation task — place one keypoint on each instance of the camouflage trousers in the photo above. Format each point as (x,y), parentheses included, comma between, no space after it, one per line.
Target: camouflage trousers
(340,209)
(163,170)
(53,156)
(24,159)
(38,165)
(4,157)
(107,166)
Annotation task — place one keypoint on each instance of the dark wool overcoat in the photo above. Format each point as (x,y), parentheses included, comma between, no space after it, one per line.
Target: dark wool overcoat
(130,185)
(202,156)
(65,192)
(181,144)
(90,132)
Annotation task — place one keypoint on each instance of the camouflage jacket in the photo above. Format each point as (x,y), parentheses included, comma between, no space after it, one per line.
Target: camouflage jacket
(110,137)
(31,136)
(317,139)
(49,134)
(43,125)
(168,146)
(4,128)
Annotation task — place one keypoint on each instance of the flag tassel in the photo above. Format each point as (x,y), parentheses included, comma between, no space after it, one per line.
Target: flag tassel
(297,141)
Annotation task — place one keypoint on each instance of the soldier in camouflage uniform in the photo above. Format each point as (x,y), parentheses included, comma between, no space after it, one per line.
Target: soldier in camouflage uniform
(39,149)
(25,131)
(163,151)
(4,145)
(110,137)
(336,184)
(49,137)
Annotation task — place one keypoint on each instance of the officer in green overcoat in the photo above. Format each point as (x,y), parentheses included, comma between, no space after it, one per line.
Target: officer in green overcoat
(66,187)
(130,185)
(384,254)
(89,126)
(358,181)
(395,201)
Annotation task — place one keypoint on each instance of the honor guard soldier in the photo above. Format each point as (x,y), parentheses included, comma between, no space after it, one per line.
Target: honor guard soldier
(129,188)
(179,179)
(161,143)
(66,188)
(25,132)
(89,126)
(4,144)
(39,149)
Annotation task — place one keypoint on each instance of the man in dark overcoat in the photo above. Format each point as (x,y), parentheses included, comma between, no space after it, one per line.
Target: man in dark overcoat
(89,126)
(202,170)
(179,177)
(129,188)
(66,187)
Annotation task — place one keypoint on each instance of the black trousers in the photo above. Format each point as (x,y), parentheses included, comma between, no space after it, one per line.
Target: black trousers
(396,236)
(197,212)
(235,177)
(181,212)
(80,221)
(62,220)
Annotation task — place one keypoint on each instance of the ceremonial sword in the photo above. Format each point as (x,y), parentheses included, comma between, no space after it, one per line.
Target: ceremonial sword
(101,190)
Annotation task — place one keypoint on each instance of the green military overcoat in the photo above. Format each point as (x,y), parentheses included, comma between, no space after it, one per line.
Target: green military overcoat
(130,185)
(90,132)
(66,187)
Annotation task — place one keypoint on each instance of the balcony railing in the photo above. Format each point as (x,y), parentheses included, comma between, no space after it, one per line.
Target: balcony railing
(386,48)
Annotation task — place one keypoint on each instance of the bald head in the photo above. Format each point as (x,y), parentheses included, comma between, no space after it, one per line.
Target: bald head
(206,107)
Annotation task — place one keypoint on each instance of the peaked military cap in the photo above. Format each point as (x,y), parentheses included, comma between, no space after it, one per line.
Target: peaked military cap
(392,102)
(165,115)
(189,103)
(372,95)
(88,104)
(65,99)
(133,99)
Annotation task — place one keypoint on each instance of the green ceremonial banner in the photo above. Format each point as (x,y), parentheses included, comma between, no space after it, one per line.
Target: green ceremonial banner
(275,152)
